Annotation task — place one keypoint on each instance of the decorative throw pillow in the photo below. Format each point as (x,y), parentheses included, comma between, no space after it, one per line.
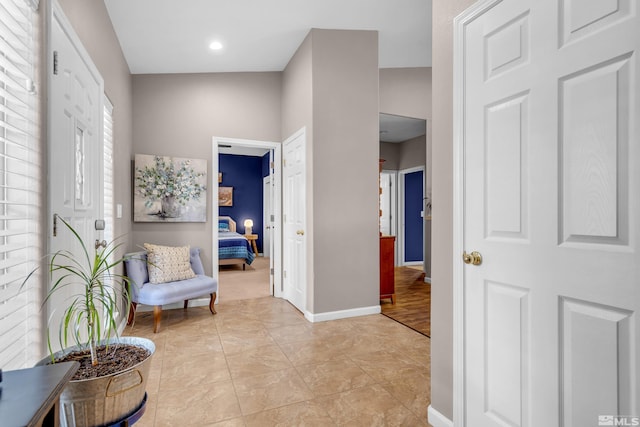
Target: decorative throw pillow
(223,226)
(168,263)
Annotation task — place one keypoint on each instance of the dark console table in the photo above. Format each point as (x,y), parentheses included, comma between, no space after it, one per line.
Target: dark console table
(30,397)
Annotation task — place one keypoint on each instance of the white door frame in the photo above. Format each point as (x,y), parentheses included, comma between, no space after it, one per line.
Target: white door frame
(459,391)
(276,256)
(393,196)
(266,228)
(401,235)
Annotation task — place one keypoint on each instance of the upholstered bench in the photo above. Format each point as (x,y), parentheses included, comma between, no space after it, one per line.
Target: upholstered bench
(159,294)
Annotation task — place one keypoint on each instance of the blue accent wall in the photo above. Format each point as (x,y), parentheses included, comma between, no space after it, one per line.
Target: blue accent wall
(413,242)
(244,174)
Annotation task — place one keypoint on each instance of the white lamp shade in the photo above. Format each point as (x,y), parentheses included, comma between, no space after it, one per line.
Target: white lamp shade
(248,223)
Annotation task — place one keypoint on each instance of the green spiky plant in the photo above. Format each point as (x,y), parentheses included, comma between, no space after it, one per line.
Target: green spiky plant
(90,316)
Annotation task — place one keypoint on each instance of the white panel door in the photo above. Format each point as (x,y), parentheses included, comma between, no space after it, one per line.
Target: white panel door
(294,199)
(75,148)
(266,215)
(550,195)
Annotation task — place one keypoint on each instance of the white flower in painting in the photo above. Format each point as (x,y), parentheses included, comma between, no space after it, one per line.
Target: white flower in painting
(164,180)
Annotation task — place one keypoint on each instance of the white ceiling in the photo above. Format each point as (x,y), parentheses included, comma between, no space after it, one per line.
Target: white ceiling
(399,128)
(172,36)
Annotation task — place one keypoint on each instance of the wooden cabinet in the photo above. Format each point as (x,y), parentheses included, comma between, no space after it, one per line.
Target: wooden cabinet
(387,262)
(387,251)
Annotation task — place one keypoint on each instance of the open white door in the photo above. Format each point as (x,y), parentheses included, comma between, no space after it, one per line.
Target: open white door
(548,190)
(75,144)
(269,215)
(266,215)
(294,221)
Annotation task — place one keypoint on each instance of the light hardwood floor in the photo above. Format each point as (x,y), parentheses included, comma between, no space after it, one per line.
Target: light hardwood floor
(413,300)
(258,362)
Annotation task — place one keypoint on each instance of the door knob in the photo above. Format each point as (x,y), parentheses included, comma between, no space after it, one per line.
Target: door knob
(300,232)
(99,243)
(473,258)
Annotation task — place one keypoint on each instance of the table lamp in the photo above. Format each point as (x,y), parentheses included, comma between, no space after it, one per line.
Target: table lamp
(248,223)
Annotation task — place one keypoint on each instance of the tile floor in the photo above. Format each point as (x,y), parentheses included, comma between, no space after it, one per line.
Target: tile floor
(259,363)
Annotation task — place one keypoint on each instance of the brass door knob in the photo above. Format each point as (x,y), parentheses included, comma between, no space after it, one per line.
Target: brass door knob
(473,258)
(300,232)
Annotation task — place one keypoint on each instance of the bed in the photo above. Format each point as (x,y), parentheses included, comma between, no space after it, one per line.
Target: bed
(233,248)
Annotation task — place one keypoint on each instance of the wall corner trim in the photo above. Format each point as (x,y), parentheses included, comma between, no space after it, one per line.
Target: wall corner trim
(436,419)
(342,314)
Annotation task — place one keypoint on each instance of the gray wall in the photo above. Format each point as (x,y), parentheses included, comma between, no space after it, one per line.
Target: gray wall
(178,114)
(91,22)
(413,153)
(297,112)
(404,155)
(406,92)
(390,153)
(442,228)
(331,87)
(345,164)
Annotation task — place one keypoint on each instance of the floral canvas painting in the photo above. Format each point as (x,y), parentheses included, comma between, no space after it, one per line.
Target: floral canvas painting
(169,189)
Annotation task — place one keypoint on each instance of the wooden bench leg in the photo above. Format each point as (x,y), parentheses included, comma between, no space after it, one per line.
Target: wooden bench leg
(132,313)
(212,302)
(157,315)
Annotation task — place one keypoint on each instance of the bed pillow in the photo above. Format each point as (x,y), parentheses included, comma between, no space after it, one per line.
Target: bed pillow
(223,226)
(168,263)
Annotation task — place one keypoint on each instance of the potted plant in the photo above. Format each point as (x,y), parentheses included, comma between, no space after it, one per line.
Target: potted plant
(110,384)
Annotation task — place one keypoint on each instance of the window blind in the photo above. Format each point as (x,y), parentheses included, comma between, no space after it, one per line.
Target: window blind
(108,171)
(21,197)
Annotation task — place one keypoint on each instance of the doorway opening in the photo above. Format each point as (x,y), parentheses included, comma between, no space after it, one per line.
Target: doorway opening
(241,169)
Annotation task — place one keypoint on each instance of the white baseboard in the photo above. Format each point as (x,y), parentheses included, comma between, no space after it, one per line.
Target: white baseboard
(436,419)
(427,279)
(412,263)
(342,314)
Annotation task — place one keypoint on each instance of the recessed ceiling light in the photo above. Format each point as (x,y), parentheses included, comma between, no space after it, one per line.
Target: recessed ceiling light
(215,45)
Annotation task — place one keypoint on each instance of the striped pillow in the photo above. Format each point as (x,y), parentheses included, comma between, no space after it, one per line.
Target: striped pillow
(168,263)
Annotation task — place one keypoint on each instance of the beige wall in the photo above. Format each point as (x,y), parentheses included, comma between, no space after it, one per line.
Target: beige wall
(331,87)
(406,92)
(413,153)
(178,114)
(442,263)
(91,22)
(390,153)
(404,155)
(297,113)
(345,164)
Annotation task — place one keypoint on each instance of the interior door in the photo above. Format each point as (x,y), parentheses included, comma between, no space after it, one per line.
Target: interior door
(269,196)
(413,217)
(294,220)
(548,94)
(266,213)
(75,147)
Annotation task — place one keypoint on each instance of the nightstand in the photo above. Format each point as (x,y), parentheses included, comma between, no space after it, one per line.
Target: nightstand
(252,238)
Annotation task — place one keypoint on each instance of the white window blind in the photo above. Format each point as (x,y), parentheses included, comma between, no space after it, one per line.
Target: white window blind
(108,171)
(20,188)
